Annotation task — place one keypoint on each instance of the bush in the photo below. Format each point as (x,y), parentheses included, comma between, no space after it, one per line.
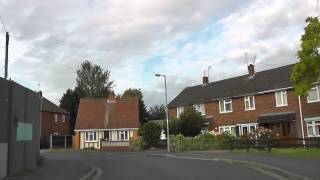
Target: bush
(200,143)
(191,122)
(137,144)
(224,141)
(151,133)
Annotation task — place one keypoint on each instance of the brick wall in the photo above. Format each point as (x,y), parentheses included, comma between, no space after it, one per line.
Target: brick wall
(264,103)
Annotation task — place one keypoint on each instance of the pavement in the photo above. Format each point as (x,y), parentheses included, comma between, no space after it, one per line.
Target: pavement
(161,165)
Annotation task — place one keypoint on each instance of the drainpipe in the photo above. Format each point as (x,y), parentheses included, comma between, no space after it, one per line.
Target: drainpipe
(301,121)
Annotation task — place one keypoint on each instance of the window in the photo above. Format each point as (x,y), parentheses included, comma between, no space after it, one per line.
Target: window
(63,118)
(121,135)
(281,98)
(91,136)
(314,94)
(225,106)
(55,117)
(249,103)
(230,129)
(200,108)
(313,127)
(179,111)
(244,129)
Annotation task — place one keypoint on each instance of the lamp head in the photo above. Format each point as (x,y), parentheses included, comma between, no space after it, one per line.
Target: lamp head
(158,75)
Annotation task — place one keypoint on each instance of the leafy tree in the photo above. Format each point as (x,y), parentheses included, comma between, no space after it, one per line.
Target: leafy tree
(174,126)
(151,133)
(191,122)
(307,70)
(93,80)
(157,112)
(143,114)
(70,102)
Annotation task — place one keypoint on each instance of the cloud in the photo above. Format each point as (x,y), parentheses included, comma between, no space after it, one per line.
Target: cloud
(135,39)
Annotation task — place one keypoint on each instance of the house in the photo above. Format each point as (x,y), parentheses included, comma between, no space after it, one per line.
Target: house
(258,99)
(54,120)
(107,123)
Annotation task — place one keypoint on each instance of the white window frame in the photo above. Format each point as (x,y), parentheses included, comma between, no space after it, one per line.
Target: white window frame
(88,135)
(180,110)
(119,133)
(227,127)
(248,125)
(55,117)
(63,118)
(282,93)
(314,121)
(200,108)
(224,104)
(251,106)
(318,94)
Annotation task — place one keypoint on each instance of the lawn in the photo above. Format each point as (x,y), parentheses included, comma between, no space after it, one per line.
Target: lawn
(298,152)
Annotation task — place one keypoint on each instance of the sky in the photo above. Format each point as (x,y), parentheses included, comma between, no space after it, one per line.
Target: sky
(136,39)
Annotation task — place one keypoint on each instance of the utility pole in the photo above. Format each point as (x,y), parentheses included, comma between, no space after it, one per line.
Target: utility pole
(6,56)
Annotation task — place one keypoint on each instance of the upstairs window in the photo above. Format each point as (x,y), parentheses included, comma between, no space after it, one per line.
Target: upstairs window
(314,94)
(180,109)
(281,98)
(55,117)
(200,108)
(225,106)
(63,118)
(249,103)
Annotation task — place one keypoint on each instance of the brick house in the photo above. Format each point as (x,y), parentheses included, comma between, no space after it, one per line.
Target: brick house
(106,123)
(54,120)
(241,104)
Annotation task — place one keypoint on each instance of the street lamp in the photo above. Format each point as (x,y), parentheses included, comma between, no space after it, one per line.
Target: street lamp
(167,110)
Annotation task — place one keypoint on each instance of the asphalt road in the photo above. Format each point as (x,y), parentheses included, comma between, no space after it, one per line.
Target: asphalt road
(141,166)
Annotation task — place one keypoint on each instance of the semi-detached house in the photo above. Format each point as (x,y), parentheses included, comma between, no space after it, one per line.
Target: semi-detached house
(258,99)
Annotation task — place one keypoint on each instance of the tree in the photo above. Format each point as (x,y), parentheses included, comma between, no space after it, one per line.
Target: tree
(191,122)
(174,126)
(307,70)
(93,80)
(143,114)
(151,133)
(157,112)
(70,102)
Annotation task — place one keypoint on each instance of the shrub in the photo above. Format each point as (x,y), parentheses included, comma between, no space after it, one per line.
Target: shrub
(224,141)
(199,143)
(151,133)
(137,144)
(179,143)
(191,122)
(205,141)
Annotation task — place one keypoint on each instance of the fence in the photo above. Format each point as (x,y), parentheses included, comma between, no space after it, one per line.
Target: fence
(19,128)
(64,141)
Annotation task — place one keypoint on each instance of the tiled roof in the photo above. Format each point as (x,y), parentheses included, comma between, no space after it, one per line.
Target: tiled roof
(102,114)
(238,86)
(49,106)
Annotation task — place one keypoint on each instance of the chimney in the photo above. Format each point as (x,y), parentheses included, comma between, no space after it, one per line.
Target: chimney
(251,69)
(111,96)
(205,80)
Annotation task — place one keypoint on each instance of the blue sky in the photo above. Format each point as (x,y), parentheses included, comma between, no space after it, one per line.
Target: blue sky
(136,39)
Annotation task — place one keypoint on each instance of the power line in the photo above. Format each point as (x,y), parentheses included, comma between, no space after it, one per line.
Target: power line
(4,27)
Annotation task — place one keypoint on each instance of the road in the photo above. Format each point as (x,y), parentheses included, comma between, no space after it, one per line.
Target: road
(138,165)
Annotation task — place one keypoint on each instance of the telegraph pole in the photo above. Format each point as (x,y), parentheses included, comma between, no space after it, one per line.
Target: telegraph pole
(6,56)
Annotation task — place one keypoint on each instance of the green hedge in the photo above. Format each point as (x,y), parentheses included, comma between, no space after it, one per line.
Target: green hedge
(137,144)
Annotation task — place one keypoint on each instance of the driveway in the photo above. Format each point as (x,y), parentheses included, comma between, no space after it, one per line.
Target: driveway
(144,166)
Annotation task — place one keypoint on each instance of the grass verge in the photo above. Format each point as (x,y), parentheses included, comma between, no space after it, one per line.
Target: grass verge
(298,152)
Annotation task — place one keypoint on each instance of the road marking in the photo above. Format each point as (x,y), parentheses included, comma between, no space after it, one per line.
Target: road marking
(95,173)
(263,168)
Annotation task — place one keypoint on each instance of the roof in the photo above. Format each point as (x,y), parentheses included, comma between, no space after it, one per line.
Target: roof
(103,114)
(267,80)
(49,106)
(276,117)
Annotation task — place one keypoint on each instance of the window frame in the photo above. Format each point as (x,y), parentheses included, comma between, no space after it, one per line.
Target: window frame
(224,106)
(63,117)
(282,93)
(249,125)
(180,110)
(200,108)
(229,128)
(318,94)
(56,118)
(314,122)
(94,136)
(247,99)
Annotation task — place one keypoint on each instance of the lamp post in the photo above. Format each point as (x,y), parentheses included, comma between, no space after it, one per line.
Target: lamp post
(167,109)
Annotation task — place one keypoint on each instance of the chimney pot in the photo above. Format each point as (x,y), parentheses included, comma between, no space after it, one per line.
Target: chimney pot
(251,70)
